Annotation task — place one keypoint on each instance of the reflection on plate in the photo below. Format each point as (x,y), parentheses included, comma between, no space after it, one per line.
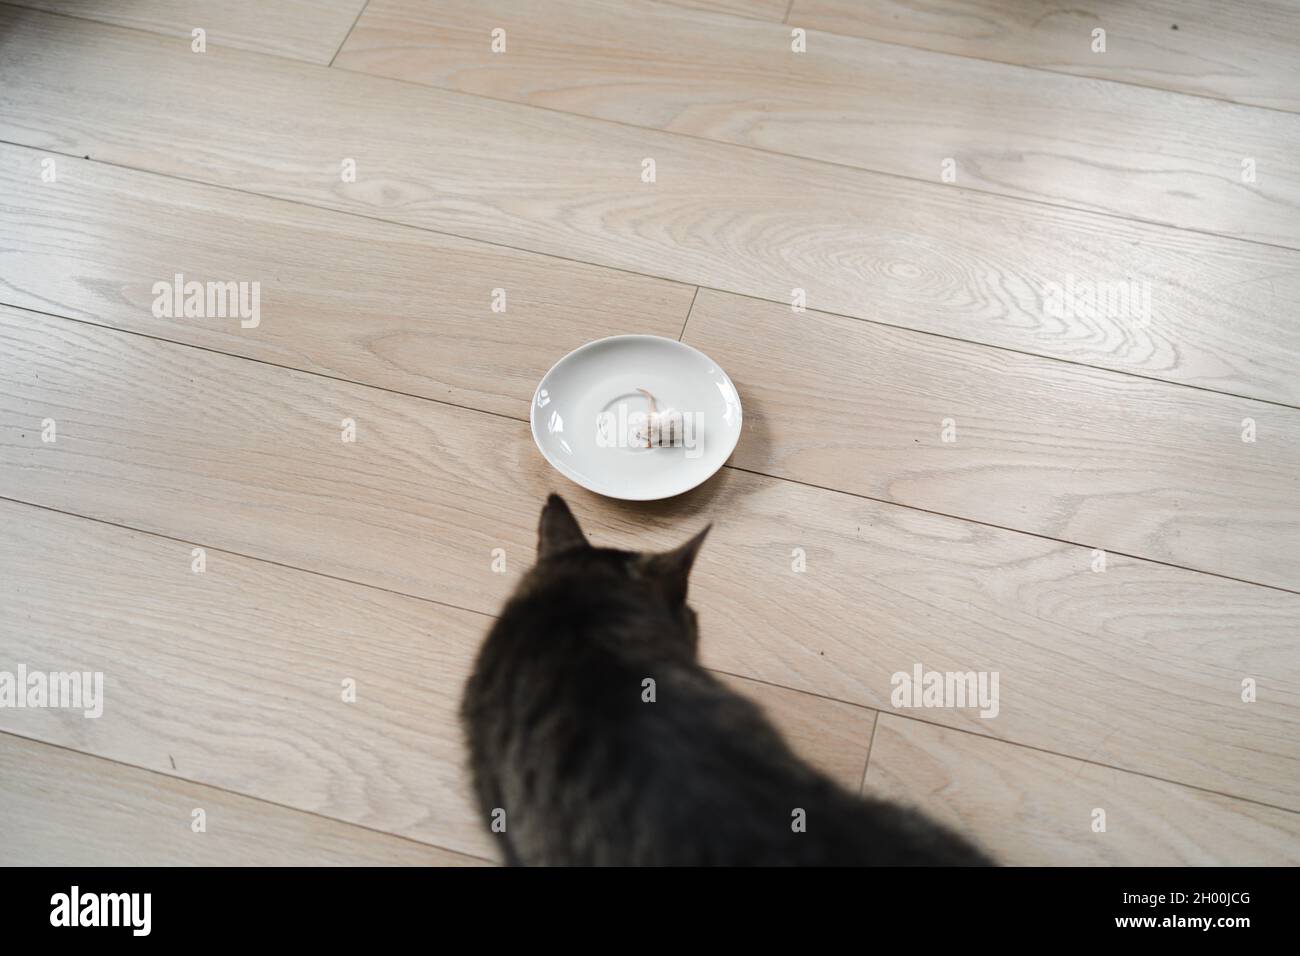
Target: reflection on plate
(637,417)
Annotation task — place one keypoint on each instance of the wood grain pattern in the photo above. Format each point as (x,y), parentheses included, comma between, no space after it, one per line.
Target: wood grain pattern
(358,324)
(911,254)
(1114,148)
(418,317)
(1139,667)
(64,808)
(422,324)
(1112,461)
(340,295)
(1204,47)
(224,687)
(1037,809)
(310,30)
(774,10)
(233,677)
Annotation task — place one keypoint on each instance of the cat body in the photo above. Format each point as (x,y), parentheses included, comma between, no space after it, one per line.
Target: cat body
(596,738)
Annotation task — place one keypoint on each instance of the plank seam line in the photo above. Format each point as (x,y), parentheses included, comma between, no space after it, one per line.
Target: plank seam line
(1009,743)
(1037,68)
(1002,197)
(632,272)
(1032,534)
(746,677)
(871,746)
(237,793)
(928,184)
(727,15)
(355,21)
(689,310)
(218,43)
(762,474)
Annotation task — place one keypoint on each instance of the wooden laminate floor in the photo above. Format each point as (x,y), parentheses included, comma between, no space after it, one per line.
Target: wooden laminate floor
(1008,290)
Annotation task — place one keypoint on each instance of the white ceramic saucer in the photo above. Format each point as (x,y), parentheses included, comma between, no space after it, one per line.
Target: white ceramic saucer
(589,417)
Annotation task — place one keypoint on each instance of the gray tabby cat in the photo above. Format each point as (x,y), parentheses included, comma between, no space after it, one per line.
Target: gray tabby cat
(574,763)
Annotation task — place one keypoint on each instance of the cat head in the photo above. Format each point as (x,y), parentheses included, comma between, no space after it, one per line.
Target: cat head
(646,582)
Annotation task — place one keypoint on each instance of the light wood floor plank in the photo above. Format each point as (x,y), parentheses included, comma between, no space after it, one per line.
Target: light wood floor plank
(1037,809)
(1114,148)
(68,809)
(234,677)
(1140,666)
(924,256)
(388,305)
(773,10)
(1111,461)
(418,317)
(422,323)
(1247,54)
(311,30)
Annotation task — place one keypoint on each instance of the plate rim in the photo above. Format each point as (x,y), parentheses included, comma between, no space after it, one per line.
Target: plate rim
(562,467)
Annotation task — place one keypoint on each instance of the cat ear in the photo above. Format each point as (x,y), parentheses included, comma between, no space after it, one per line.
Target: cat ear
(670,571)
(558,529)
